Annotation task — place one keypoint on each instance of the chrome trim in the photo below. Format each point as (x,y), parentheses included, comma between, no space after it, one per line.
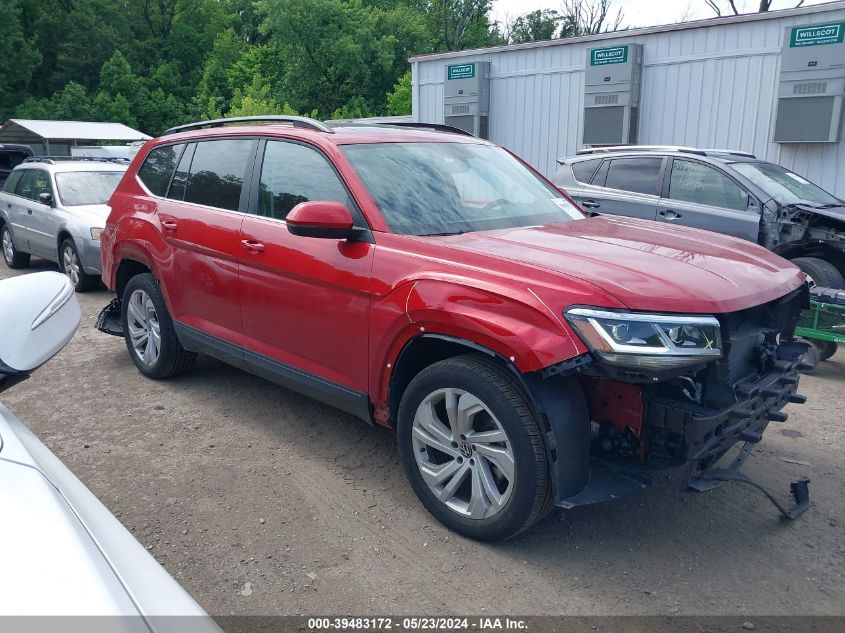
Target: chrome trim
(62,297)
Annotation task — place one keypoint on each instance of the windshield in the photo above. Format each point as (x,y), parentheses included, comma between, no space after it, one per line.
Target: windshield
(86,187)
(450,188)
(784,186)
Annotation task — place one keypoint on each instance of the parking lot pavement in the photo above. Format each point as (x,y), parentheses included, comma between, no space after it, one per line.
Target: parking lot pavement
(261,501)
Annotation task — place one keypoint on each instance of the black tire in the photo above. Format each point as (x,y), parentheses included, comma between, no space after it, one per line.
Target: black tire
(826,349)
(172,358)
(531,493)
(68,258)
(14,258)
(823,273)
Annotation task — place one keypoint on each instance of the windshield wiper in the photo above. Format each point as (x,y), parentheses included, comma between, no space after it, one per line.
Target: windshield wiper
(445,233)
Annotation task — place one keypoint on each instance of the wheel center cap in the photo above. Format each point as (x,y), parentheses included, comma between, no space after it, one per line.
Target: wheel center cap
(466,449)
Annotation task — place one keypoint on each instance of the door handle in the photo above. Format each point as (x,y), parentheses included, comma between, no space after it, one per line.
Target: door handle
(251,246)
(590,204)
(668,214)
(29,211)
(169,225)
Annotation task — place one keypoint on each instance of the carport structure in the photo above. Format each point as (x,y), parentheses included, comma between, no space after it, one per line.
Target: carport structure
(55,138)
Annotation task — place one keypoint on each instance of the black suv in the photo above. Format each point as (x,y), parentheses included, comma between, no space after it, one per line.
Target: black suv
(10,157)
(719,190)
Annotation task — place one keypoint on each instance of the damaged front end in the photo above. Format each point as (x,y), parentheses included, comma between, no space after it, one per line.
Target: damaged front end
(803,229)
(688,410)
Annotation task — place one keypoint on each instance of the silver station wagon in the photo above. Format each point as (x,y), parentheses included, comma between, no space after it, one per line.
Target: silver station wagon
(55,208)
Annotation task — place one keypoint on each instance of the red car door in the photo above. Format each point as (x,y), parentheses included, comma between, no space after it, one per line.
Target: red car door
(304,300)
(201,222)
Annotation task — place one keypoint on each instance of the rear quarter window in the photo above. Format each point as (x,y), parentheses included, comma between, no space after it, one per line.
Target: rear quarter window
(583,170)
(158,167)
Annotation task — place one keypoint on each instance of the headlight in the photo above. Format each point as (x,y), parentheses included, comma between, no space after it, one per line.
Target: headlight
(647,341)
(95,234)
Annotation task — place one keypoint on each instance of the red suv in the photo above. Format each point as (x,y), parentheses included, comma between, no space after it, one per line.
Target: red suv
(422,279)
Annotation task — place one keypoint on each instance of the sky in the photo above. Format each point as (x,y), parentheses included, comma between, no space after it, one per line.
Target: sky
(642,12)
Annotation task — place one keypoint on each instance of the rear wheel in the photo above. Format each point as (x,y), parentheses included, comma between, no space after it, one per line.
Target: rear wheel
(821,273)
(148,330)
(12,256)
(72,267)
(472,449)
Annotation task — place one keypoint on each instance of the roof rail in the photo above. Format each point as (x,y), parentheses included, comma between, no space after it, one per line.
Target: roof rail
(730,152)
(662,148)
(51,160)
(295,121)
(437,127)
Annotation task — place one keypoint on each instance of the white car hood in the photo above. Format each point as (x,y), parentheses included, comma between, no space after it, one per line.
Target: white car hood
(63,553)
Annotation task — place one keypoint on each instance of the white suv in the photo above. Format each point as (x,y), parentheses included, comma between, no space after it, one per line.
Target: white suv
(55,208)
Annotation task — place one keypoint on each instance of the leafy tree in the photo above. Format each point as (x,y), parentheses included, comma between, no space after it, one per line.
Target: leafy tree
(542,24)
(399,99)
(19,55)
(338,51)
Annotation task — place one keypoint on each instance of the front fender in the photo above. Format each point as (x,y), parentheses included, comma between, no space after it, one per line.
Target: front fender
(519,328)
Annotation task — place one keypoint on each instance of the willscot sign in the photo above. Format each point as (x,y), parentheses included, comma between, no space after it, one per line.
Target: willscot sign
(612,55)
(817,35)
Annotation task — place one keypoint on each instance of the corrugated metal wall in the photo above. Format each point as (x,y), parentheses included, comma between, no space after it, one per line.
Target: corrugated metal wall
(710,86)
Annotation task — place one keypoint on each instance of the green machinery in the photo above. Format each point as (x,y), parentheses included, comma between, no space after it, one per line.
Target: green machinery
(823,323)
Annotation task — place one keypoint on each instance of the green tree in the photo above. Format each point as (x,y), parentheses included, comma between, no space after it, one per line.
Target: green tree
(542,24)
(19,54)
(399,99)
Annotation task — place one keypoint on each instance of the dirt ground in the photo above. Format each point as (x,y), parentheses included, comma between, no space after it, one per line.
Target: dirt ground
(260,501)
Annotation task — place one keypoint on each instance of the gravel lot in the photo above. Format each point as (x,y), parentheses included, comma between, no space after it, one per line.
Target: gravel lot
(260,501)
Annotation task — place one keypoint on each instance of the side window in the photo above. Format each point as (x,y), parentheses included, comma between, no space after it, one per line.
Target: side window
(180,178)
(12,181)
(217,173)
(32,183)
(292,173)
(158,168)
(638,175)
(41,184)
(701,184)
(584,170)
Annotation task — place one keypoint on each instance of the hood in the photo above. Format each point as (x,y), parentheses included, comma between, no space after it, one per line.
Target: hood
(94,214)
(647,265)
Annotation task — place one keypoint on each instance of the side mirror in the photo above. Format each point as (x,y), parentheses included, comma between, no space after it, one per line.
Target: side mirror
(39,314)
(46,198)
(324,219)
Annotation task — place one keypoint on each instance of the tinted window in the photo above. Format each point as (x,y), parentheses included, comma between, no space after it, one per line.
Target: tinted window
(33,183)
(12,181)
(639,175)
(217,173)
(585,169)
(158,168)
(293,173)
(10,160)
(699,183)
(180,178)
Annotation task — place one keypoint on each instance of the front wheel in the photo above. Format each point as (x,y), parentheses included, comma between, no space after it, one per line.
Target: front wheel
(149,333)
(472,449)
(72,267)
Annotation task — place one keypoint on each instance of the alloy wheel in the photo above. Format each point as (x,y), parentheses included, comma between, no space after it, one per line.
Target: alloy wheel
(8,247)
(70,263)
(463,453)
(144,329)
